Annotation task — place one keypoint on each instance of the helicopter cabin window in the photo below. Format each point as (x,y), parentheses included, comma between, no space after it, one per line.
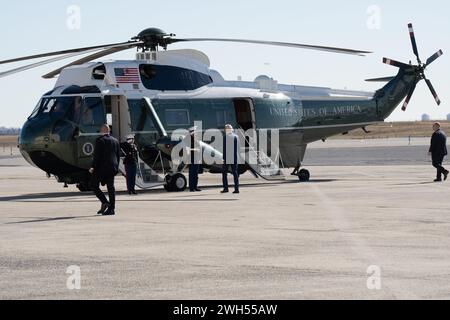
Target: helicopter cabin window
(177,117)
(221,117)
(92,112)
(141,117)
(170,78)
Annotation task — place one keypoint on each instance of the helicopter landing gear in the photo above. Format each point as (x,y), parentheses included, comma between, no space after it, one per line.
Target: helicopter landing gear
(84,187)
(303,175)
(175,183)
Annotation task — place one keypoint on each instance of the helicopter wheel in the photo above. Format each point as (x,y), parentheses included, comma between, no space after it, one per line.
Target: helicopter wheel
(175,183)
(303,175)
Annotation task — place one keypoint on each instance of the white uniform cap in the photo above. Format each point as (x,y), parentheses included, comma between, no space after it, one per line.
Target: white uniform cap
(130,136)
(193,129)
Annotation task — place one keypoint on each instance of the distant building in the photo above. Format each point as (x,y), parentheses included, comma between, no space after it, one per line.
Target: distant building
(448,117)
(426,117)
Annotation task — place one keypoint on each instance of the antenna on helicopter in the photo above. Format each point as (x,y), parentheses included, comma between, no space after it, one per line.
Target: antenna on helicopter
(150,39)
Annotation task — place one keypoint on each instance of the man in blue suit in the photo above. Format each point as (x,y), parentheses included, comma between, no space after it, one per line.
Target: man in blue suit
(230,158)
(438,150)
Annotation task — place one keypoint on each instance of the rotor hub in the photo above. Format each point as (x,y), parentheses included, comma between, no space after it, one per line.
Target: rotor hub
(153,38)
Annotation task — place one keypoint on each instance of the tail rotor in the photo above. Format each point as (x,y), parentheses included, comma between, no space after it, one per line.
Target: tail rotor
(419,68)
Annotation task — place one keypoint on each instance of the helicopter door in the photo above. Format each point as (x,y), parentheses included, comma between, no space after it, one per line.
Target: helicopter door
(117,116)
(257,160)
(245,113)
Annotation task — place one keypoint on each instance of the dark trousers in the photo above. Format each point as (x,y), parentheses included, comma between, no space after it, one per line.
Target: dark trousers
(234,171)
(193,176)
(437,163)
(109,181)
(130,171)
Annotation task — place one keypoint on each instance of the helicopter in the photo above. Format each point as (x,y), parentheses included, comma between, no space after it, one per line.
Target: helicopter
(164,90)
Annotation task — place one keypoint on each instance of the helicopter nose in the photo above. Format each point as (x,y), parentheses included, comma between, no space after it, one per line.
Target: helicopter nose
(35,133)
(34,137)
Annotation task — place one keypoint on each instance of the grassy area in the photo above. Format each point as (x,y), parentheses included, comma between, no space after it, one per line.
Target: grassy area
(396,130)
(8,141)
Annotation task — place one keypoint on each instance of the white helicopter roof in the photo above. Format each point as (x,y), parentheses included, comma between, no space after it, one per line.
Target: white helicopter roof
(82,75)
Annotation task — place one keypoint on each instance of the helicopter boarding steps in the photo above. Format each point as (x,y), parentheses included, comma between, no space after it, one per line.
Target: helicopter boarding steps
(146,177)
(261,165)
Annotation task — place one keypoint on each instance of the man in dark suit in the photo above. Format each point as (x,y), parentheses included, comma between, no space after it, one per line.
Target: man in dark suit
(105,166)
(230,158)
(194,152)
(438,150)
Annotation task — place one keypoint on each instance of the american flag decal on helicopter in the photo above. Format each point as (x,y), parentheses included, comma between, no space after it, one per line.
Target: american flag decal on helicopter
(127,75)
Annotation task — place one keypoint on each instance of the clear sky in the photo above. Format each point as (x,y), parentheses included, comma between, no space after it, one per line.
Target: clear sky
(29,27)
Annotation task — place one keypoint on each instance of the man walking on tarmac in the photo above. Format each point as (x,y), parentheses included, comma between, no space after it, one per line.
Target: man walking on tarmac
(438,150)
(104,168)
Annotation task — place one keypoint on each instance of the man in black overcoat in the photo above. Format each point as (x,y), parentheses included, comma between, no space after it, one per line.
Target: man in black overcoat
(104,168)
(438,150)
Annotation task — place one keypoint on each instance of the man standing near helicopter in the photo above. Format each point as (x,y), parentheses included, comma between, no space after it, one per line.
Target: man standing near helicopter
(230,158)
(130,161)
(193,151)
(105,166)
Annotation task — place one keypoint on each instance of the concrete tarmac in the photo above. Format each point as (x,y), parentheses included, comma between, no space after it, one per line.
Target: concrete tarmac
(353,232)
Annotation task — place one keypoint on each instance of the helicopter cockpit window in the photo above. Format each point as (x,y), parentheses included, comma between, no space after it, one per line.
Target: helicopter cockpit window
(36,110)
(68,107)
(92,112)
(170,78)
(61,107)
(48,105)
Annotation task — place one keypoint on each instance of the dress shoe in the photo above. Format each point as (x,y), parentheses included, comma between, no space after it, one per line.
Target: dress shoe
(224,191)
(236,191)
(198,190)
(109,212)
(437,180)
(103,208)
(446,175)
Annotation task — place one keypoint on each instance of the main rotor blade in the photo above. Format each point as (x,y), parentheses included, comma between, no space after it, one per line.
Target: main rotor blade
(413,41)
(408,97)
(434,57)
(41,63)
(85,59)
(56,53)
(433,92)
(396,63)
(283,44)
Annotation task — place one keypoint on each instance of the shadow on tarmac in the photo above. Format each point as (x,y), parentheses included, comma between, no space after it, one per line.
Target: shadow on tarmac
(52,219)
(36,196)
